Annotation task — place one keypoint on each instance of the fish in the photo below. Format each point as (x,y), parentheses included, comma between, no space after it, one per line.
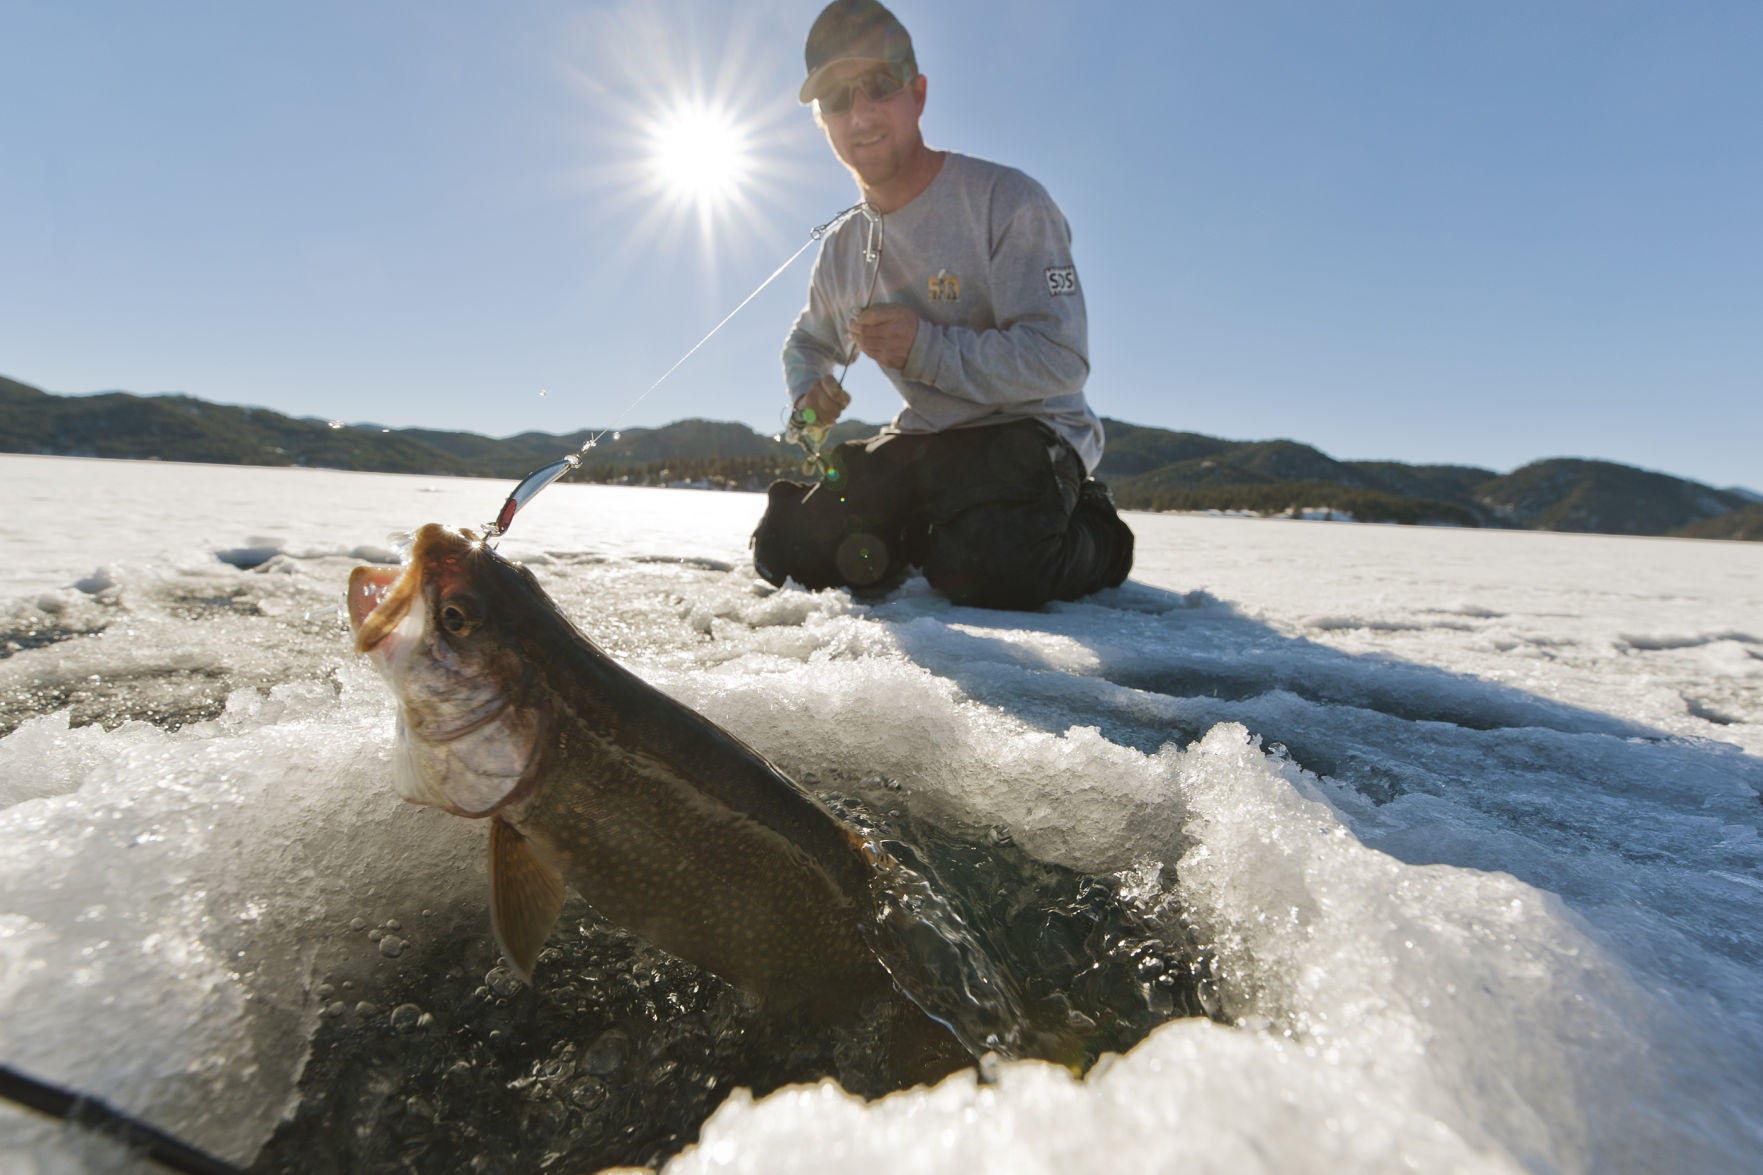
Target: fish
(594,780)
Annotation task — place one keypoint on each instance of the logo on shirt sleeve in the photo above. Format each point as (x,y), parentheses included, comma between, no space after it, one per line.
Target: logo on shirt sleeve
(1062,279)
(945,287)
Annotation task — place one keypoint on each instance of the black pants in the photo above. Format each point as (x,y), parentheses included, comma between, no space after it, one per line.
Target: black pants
(998,517)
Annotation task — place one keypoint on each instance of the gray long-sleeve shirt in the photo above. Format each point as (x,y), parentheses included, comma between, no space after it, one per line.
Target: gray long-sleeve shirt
(983,257)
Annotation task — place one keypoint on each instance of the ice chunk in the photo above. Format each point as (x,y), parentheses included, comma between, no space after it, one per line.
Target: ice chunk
(162,921)
(44,757)
(1390,1017)
(1192,1096)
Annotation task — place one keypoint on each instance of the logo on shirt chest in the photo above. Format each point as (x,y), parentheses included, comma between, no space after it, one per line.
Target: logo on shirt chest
(944,287)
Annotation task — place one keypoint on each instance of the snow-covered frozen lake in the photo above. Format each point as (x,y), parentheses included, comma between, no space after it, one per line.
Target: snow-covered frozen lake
(1466,821)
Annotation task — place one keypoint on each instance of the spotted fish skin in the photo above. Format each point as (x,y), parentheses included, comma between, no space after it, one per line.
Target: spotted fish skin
(665,823)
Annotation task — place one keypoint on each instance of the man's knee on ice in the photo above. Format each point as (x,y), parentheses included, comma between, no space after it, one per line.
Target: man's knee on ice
(993,560)
(821,547)
(774,541)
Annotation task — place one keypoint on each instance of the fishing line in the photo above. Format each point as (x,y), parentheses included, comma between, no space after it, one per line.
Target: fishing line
(803,427)
(808,435)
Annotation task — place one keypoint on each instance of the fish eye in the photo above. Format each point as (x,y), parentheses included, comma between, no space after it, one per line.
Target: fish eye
(457,617)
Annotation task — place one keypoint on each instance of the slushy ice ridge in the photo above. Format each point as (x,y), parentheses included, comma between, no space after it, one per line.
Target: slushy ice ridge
(1350,847)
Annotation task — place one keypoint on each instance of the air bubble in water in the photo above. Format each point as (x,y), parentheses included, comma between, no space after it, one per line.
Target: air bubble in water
(502,981)
(392,946)
(406,1016)
(606,1055)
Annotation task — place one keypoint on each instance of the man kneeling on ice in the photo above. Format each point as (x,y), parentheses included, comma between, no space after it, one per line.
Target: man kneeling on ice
(974,312)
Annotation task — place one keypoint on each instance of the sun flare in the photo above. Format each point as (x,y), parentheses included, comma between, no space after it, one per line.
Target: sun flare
(700,156)
(685,141)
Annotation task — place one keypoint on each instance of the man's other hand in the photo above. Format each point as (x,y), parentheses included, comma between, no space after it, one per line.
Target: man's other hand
(826,399)
(885,334)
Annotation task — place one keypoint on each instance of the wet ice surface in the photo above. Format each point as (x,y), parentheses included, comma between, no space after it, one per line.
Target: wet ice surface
(1465,822)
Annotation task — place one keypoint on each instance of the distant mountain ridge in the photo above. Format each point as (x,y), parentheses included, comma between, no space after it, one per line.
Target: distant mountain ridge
(1147,468)
(183,428)
(1155,469)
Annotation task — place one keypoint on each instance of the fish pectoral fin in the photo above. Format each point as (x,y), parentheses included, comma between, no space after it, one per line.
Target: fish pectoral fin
(526,895)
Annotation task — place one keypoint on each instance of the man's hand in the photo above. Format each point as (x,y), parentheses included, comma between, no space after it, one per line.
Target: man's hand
(885,334)
(826,399)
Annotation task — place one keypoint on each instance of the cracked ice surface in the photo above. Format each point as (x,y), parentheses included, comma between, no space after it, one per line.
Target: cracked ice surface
(1469,818)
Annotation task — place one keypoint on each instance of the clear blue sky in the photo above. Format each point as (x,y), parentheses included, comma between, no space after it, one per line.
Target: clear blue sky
(1474,232)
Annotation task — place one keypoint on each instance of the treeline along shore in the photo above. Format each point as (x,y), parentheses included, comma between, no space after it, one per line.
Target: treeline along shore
(1147,468)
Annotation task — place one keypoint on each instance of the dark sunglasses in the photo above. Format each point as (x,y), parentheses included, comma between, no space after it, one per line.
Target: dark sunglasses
(877,85)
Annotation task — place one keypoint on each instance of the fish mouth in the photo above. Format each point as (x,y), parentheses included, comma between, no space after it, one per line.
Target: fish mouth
(379,599)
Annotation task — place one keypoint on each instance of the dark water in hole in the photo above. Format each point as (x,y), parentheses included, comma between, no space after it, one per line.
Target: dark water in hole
(619,1052)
